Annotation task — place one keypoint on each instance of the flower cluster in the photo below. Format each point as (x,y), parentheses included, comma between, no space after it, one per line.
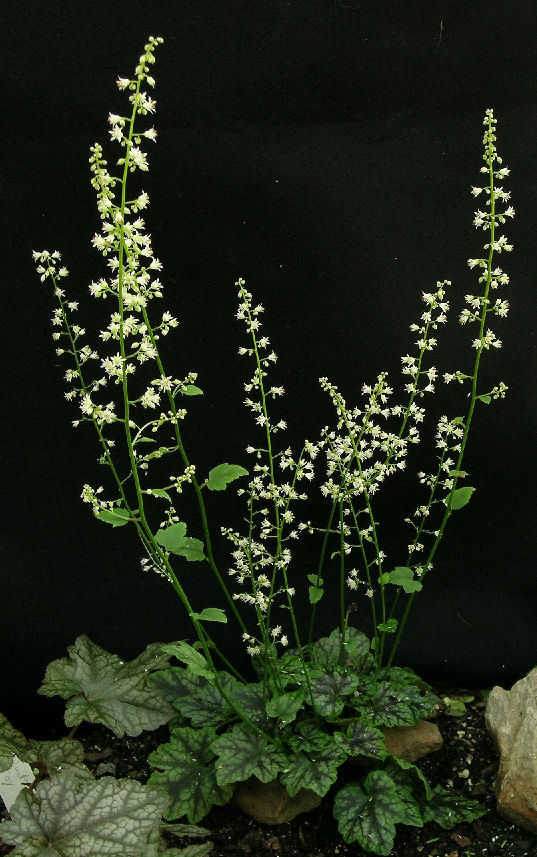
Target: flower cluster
(133,282)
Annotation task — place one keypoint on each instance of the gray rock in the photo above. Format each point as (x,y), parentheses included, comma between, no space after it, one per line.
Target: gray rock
(511,718)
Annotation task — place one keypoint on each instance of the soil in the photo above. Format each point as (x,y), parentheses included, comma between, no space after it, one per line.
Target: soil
(467,764)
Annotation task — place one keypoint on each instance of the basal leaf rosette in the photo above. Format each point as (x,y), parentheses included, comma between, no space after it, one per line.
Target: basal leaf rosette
(101,688)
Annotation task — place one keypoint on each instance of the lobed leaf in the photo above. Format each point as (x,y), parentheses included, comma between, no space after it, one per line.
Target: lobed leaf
(448,808)
(64,817)
(243,753)
(368,813)
(327,692)
(362,739)
(326,651)
(221,476)
(186,772)
(100,688)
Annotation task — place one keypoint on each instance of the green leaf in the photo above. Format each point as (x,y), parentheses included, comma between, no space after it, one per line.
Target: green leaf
(191,390)
(220,476)
(315,594)
(448,808)
(13,743)
(172,536)
(315,580)
(193,696)
(327,691)
(368,814)
(211,614)
(64,817)
(191,549)
(461,496)
(403,775)
(100,688)
(160,492)
(402,576)
(398,699)
(326,651)
(195,662)
(286,706)
(243,753)
(316,772)
(389,627)
(186,772)
(116,516)
(292,670)
(485,398)
(362,739)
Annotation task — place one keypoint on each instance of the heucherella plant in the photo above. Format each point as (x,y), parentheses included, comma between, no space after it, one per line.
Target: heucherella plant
(318,702)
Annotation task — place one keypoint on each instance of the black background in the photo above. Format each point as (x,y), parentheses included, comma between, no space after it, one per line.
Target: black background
(324,151)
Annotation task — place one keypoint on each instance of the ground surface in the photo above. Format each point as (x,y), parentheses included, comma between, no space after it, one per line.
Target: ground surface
(466,763)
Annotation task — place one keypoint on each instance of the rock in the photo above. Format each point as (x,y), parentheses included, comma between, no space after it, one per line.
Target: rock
(413,742)
(407,742)
(269,803)
(511,718)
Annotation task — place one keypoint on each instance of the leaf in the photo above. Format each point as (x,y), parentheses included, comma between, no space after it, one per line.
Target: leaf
(449,808)
(389,627)
(193,696)
(243,753)
(402,576)
(186,772)
(220,476)
(398,700)
(315,580)
(461,496)
(362,739)
(64,817)
(160,492)
(100,688)
(403,775)
(211,614)
(191,390)
(326,651)
(485,398)
(12,743)
(316,772)
(292,669)
(189,656)
(368,814)
(315,594)
(116,516)
(175,540)
(172,536)
(327,691)
(286,706)
(13,780)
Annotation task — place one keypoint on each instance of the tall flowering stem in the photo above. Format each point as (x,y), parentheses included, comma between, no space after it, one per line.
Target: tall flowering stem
(478,310)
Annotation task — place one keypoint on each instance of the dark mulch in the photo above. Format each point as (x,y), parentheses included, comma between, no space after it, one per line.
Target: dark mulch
(467,764)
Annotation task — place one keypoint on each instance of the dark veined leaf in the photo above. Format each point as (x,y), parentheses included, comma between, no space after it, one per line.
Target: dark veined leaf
(307,738)
(211,614)
(326,651)
(328,691)
(67,817)
(286,706)
(368,813)
(220,476)
(292,670)
(398,699)
(316,771)
(362,739)
(186,772)
(101,688)
(116,516)
(193,696)
(449,808)
(189,656)
(243,753)
(406,777)
(461,496)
